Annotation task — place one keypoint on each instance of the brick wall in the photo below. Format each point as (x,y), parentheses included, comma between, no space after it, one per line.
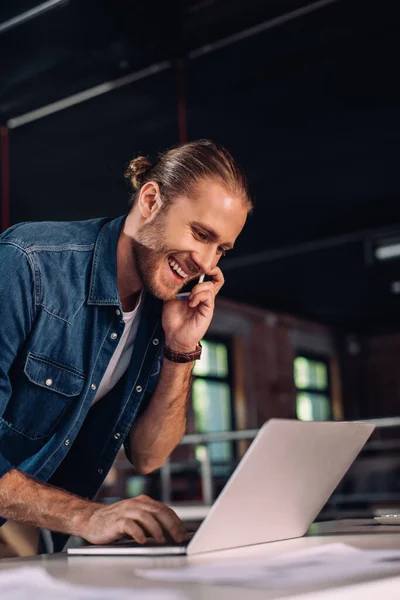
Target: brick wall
(371,376)
(265,345)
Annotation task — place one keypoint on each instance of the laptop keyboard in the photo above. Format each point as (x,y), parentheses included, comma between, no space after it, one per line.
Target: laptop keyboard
(151,543)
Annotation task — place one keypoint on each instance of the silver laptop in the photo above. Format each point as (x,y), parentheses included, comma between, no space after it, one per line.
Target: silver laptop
(277,490)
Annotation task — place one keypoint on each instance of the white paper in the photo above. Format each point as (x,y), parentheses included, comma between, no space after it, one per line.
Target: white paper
(386,589)
(32,582)
(327,563)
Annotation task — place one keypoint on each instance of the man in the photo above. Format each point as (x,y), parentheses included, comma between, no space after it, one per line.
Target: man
(95,349)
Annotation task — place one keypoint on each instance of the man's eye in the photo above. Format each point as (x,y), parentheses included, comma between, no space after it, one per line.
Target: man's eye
(203,236)
(222,251)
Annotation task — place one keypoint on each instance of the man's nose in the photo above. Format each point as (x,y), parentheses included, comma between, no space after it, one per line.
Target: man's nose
(206,260)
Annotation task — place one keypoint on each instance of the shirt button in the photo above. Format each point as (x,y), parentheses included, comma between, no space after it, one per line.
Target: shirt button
(93,386)
(156,342)
(100,471)
(113,336)
(117,436)
(67,442)
(139,388)
(49,382)
(117,312)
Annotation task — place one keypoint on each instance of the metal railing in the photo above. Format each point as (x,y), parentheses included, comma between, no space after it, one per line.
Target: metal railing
(205,439)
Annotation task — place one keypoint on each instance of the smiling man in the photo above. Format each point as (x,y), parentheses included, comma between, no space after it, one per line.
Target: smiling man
(97,352)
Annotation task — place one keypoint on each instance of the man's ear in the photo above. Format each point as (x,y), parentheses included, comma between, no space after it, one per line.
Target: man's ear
(149,201)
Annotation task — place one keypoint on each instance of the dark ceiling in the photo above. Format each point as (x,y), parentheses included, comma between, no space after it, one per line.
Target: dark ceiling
(310,106)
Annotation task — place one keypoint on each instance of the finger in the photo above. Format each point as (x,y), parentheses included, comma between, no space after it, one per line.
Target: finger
(148,500)
(167,515)
(129,527)
(171,523)
(134,503)
(216,284)
(148,521)
(200,287)
(206,297)
(218,278)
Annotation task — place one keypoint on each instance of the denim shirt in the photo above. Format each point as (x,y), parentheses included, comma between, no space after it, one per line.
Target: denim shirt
(61,320)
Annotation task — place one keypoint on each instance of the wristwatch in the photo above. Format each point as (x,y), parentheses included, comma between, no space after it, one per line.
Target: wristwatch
(182,357)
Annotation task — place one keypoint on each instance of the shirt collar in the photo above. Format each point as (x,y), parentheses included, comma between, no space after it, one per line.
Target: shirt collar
(104,281)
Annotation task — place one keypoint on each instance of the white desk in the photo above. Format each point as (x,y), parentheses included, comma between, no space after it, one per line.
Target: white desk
(118,571)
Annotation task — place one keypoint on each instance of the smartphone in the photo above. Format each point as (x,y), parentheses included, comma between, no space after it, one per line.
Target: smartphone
(187,288)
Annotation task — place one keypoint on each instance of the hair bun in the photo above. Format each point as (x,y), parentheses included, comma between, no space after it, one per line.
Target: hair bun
(137,171)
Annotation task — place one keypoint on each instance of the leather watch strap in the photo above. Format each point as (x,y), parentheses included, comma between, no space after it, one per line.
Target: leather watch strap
(182,357)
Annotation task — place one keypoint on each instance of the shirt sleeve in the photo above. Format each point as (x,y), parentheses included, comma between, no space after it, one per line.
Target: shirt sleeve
(17,310)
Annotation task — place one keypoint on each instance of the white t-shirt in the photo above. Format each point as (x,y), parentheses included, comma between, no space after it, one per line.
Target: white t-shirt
(123,352)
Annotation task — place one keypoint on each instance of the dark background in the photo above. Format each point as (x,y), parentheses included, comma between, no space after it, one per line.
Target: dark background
(309,107)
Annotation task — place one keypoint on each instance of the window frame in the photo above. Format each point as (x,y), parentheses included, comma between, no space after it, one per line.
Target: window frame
(228,379)
(321,358)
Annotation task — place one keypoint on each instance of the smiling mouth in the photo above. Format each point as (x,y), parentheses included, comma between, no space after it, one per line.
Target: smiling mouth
(177,270)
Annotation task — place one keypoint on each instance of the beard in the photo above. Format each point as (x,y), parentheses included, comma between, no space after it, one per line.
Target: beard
(149,252)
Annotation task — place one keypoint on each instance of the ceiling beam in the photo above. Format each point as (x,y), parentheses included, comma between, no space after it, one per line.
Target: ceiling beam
(30,14)
(275,254)
(93,92)
(98,90)
(264,26)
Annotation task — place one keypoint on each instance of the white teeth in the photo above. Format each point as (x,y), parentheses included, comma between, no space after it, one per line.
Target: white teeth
(177,268)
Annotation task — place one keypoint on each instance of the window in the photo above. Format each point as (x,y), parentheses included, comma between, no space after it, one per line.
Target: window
(212,397)
(311,378)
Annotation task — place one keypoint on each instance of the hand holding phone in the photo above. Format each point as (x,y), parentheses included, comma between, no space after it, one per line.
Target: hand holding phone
(185,293)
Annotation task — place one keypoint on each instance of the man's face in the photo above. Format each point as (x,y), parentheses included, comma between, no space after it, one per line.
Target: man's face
(187,239)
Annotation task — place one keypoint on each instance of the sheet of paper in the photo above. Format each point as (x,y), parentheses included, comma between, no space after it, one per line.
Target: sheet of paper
(327,563)
(31,582)
(387,589)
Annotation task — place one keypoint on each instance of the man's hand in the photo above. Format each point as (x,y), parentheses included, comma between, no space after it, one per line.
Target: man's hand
(26,500)
(138,518)
(186,321)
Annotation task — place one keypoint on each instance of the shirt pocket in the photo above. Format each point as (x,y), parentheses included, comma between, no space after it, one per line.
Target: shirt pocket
(45,395)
